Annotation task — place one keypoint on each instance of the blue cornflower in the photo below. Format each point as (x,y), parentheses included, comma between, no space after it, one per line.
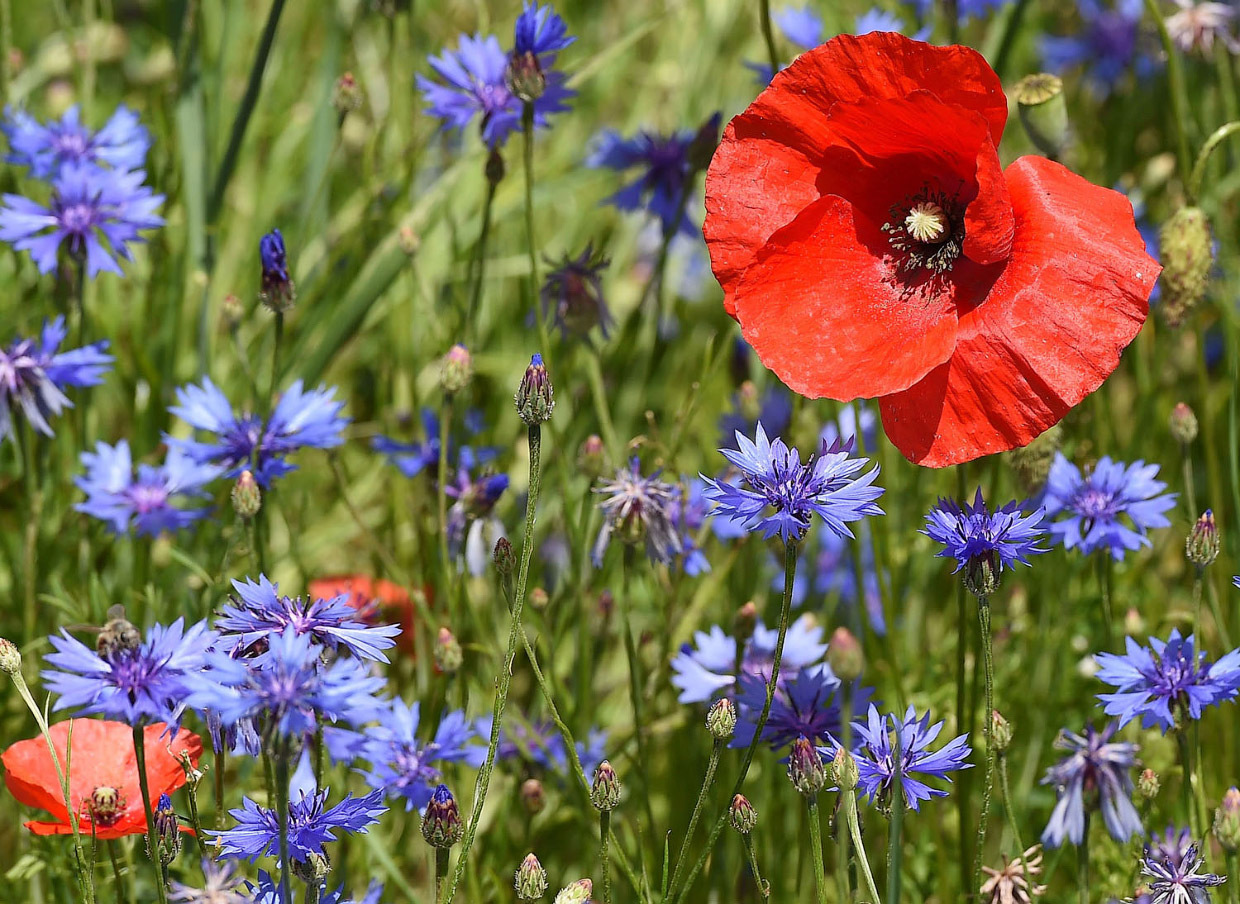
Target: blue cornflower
(875,756)
(808,704)
(245,441)
(1106,43)
(640,509)
(1172,845)
(1094,774)
(690,512)
(401,766)
(540,743)
(259,613)
(278,290)
(95,213)
(1178,879)
(138,684)
(968,9)
(1166,682)
(310,824)
(1093,505)
(775,479)
(34,375)
(149,504)
(288,685)
(540,30)
(982,542)
(221,885)
(122,143)
(267,891)
(412,459)
(800,25)
(573,294)
(707,669)
(666,167)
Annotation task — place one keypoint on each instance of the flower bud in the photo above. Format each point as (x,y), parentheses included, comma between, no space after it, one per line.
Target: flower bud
(844,770)
(539,599)
(1183,424)
(448,654)
(531,879)
(232,312)
(592,457)
(1000,731)
(745,621)
(844,655)
(410,242)
(578,892)
(524,77)
(1134,624)
(981,574)
(533,796)
(1043,113)
(1148,784)
(347,95)
(1202,545)
(805,768)
(748,401)
(10,657)
(535,399)
(1227,821)
(441,823)
(1187,254)
(247,498)
(605,790)
(721,720)
(278,293)
(743,815)
(1032,463)
(503,557)
(456,369)
(168,836)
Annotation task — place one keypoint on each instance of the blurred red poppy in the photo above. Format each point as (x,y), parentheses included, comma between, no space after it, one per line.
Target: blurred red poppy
(103,775)
(376,600)
(870,245)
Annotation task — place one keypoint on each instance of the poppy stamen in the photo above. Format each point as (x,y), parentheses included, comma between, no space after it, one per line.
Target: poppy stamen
(927,232)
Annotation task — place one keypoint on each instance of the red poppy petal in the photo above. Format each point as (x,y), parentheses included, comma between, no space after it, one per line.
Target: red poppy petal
(769,161)
(164,772)
(989,224)
(817,307)
(1073,294)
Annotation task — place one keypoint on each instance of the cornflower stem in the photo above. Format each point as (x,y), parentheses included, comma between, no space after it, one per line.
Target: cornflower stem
(1189,782)
(815,840)
(122,894)
(30,536)
(843,891)
(1198,580)
(1190,491)
(764,887)
(275,360)
(504,679)
(527,157)
(152,839)
(895,830)
(848,802)
(1216,138)
(635,691)
(85,878)
(441,494)
(478,265)
(1082,864)
(707,783)
(1233,870)
(282,779)
(963,717)
(594,375)
(604,835)
(1178,90)
(1009,806)
(221,761)
(441,871)
(1105,570)
(768,34)
(790,572)
(988,668)
(314,889)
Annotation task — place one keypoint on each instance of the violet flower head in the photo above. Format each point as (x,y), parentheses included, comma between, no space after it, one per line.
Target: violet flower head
(34,375)
(1166,682)
(95,213)
(135,683)
(706,669)
(539,744)
(638,510)
(245,441)
(1095,504)
(278,291)
(540,30)
(1095,774)
(876,756)
(401,765)
(1107,43)
(780,494)
(221,885)
(121,144)
(573,294)
(807,705)
(152,502)
(982,542)
(1178,879)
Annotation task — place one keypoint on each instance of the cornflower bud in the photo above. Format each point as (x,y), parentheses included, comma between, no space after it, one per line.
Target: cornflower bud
(844,655)
(1183,424)
(168,836)
(347,95)
(448,653)
(1202,545)
(605,790)
(533,796)
(805,768)
(246,497)
(410,242)
(525,78)
(745,621)
(743,815)
(456,369)
(1032,463)
(503,557)
(1043,112)
(441,823)
(844,770)
(313,870)
(578,892)
(539,599)
(232,312)
(981,574)
(10,657)
(592,457)
(534,398)
(1148,784)
(721,719)
(1000,731)
(531,879)
(1187,254)
(1227,821)
(1134,624)
(278,292)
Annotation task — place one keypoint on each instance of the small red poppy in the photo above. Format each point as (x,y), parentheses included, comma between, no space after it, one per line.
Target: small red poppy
(870,245)
(376,600)
(103,775)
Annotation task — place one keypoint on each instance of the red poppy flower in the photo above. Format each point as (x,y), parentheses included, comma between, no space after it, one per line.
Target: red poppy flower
(377,601)
(870,245)
(103,775)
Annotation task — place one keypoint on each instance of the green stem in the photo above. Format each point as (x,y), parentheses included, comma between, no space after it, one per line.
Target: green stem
(964,723)
(1198,176)
(1178,89)
(30,542)
(527,159)
(625,606)
(314,890)
(152,839)
(1009,805)
(848,800)
(273,389)
(1190,490)
(1082,864)
(707,783)
(594,375)
(441,871)
(221,761)
(988,665)
(1104,568)
(122,895)
(895,830)
(282,805)
(843,891)
(1198,576)
(604,834)
(764,887)
(1188,781)
(768,34)
(504,679)
(441,487)
(815,840)
(1233,871)
(478,267)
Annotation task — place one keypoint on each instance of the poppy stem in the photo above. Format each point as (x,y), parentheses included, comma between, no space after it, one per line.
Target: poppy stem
(768,35)
(815,840)
(152,838)
(1203,157)
(988,731)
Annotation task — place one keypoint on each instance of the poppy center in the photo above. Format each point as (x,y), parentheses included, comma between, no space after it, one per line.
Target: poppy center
(104,806)
(926,233)
(927,223)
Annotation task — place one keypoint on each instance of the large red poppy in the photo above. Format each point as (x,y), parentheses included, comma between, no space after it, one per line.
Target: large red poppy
(870,244)
(376,600)
(103,775)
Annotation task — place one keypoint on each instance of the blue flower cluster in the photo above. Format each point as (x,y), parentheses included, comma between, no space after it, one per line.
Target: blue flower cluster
(34,375)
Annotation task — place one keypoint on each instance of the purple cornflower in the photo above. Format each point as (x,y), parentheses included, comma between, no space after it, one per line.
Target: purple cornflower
(310,824)
(1095,774)
(259,613)
(1093,505)
(808,704)
(540,30)
(707,669)
(149,504)
(34,375)
(267,891)
(278,291)
(539,743)
(1196,26)
(573,294)
(775,479)
(968,9)
(1178,879)
(247,442)
(95,213)
(689,512)
(875,756)
(411,459)
(1106,43)
(137,684)
(638,509)
(800,25)
(982,542)
(288,685)
(221,885)
(1166,682)
(1172,846)
(121,144)
(401,766)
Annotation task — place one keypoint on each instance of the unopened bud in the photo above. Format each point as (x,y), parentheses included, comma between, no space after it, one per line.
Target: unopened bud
(1183,424)
(539,599)
(1148,784)
(1134,624)
(313,870)
(592,457)
(721,720)
(278,293)
(749,401)
(347,95)
(535,399)
(844,770)
(168,835)
(410,242)
(1202,545)
(1000,731)
(605,790)
(503,557)
(533,796)
(531,880)
(981,574)
(441,823)
(456,369)
(1032,463)
(232,312)
(844,655)
(10,657)
(524,77)
(1187,253)
(578,892)
(1043,112)
(743,815)
(1227,821)
(745,621)
(247,498)
(805,768)
(448,653)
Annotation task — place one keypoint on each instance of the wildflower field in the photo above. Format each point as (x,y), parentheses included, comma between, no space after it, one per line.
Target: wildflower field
(654,452)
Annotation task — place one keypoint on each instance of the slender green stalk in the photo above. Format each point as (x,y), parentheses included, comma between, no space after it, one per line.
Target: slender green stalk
(604,835)
(1233,870)
(988,665)
(1082,864)
(274,388)
(707,783)
(221,762)
(30,536)
(843,890)
(1009,805)
(441,495)
(768,34)
(1105,569)
(815,840)
(1203,156)
(1190,489)
(848,801)
(1189,781)
(152,838)
(314,889)
(594,375)
(478,266)
(625,606)
(282,792)
(122,892)
(1178,90)
(504,679)
(540,317)
(895,831)
(1199,574)
(441,871)
(764,887)
(964,721)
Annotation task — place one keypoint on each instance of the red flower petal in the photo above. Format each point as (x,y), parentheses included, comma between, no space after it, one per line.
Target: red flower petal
(768,165)
(802,325)
(989,224)
(1073,295)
